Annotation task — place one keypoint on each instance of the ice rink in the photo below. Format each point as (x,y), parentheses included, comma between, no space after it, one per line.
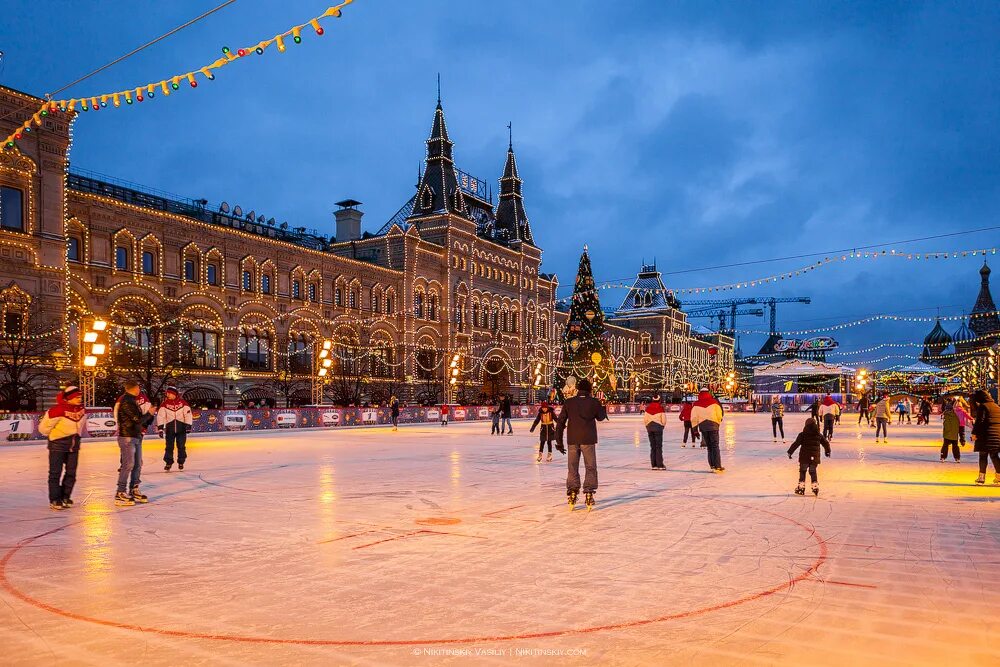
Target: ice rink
(439,545)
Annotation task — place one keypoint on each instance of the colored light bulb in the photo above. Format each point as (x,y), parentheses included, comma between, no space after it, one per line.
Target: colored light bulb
(241,52)
(259,50)
(225,49)
(175,85)
(194,84)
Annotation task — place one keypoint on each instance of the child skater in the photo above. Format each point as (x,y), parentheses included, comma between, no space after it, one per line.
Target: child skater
(547,418)
(950,432)
(808,443)
(685,416)
(495,418)
(63,426)
(828,413)
(173,420)
(655,419)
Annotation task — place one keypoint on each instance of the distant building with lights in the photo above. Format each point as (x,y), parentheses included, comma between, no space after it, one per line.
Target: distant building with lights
(232,306)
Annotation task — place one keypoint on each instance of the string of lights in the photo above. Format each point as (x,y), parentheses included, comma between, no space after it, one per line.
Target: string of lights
(171,83)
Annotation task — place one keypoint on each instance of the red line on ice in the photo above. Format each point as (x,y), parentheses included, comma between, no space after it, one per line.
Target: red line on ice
(786,585)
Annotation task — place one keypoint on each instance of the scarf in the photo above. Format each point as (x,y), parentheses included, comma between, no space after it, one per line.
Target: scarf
(705,399)
(67,410)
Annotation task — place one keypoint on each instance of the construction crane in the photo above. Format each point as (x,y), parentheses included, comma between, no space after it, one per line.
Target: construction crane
(710,311)
(714,305)
(768,301)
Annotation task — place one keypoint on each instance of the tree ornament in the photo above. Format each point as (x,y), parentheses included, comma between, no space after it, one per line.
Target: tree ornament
(574,344)
(590,315)
(596,357)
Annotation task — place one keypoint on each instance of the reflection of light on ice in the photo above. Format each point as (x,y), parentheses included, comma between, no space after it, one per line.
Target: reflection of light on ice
(327,493)
(97,540)
(635,438)
(730,435)
(456,468)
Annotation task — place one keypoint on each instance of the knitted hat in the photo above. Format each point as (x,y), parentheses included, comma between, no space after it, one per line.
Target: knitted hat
(173,389)
(70,392)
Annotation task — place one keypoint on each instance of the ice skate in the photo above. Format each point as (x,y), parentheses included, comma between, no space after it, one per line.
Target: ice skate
(981,479)
(549,457)
(67,502)
(139,497)
(800,490)
(774,440)
(815,489)
(122,499)
(180,466)
(943,459)
(589,500)
(538,459)
(56,505)
(166,468)
(571,499)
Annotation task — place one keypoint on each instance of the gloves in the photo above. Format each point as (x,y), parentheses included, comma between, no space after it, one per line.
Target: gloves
(159,432)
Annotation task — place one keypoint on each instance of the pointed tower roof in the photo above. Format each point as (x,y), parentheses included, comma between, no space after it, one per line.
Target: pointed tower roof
(648,295)
(963,334)
(984,320)
(512,222)
(438,190)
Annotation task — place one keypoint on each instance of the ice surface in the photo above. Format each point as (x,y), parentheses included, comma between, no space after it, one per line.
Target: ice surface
(436,545)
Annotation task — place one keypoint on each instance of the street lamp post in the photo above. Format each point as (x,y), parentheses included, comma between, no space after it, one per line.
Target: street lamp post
(322,371)
(454,372)
(94,345)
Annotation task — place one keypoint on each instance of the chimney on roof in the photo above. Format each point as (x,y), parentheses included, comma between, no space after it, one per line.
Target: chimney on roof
(348,220)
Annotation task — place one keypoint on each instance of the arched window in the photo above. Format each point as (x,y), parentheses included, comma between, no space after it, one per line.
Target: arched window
(296,289)
(265,283)
(475,313)
(11,209)
(300,354)
(255,350)
(212,274)
(201,349)
(122,262)
(338,296)
(73,249)
(418,305)
(352,299)
(148,262)
(247,281)
(376,300)
(390,303)
(432,304)
(381,357)
(312,292)
(190,270)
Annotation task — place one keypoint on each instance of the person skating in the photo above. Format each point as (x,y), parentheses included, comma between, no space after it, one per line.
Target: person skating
(925,412)
(828,413)
(444,415)
(63,426)
(173,421)
(546,418)
(814,409)
(986,434)
(685,416)
(863,410)
(655,420)
(961,411)
(778,420)
(950,433)
(707,416)
(505,412)
(578,420)
(394,412)
(809,442)
(495,418)
(131,423)
(883,413)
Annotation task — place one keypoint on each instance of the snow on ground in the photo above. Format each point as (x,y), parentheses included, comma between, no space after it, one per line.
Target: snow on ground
(436,545)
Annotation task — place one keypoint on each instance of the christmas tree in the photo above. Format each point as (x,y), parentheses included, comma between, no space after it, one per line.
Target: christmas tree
(585,351)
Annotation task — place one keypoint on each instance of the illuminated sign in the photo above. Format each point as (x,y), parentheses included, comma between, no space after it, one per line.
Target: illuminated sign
(808,345)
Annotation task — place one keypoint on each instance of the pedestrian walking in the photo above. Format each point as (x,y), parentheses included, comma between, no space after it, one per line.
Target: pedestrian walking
(883,413)
(63,425)
(986,434)
(685,417)
(778,420)
(546,418)
(655,420)
(505,412)
(809,442)
(949,433)
(707,415)
(132,421)
(578,420)
(828,413)
(173,420)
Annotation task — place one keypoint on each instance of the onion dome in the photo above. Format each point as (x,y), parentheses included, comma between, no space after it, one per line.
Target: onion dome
(963,334)
(938,337)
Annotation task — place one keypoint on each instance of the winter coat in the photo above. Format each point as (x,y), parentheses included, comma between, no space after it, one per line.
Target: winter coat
(777,410)
(505,408)
(814,409)
(863,404)
(987,427)
(177,411)
(829,407)
(706,413)
(951,424)
(546,417)
(129,416)
(685,415)
(963,416)
(579,417)
(809,443)
(883,410)
(63,426)
(654,418)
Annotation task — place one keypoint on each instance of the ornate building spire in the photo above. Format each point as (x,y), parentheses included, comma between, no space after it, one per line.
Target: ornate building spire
(984,320)
(438,191)
(512,222)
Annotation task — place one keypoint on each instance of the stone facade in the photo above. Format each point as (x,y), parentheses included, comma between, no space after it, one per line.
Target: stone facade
(237,308)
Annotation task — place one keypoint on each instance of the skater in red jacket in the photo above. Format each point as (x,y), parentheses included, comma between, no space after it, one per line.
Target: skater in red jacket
(685,417)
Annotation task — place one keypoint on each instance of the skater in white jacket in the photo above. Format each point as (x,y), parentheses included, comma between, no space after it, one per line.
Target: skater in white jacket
(174,419)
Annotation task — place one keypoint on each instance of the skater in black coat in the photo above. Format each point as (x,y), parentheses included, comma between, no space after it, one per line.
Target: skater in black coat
(986,434)
(547,418)
(809,442)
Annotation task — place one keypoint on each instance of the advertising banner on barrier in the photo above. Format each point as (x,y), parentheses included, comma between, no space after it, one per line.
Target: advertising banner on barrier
(18,426)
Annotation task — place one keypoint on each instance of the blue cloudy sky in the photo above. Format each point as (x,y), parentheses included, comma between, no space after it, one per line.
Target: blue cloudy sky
(701,133)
